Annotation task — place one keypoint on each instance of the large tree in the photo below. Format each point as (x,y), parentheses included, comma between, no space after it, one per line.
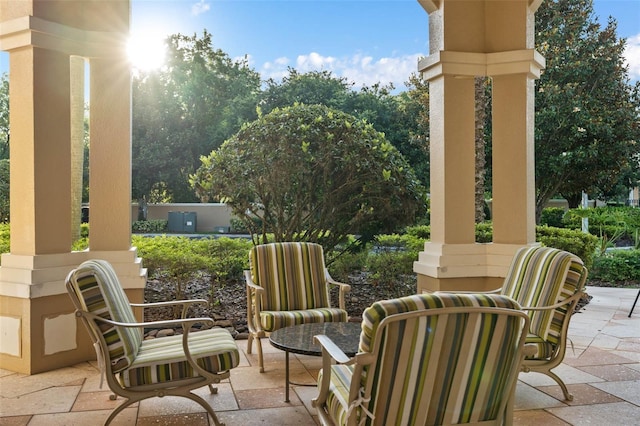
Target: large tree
(4,116)
(185,110)
(312,173)
(398,116)
(587,129)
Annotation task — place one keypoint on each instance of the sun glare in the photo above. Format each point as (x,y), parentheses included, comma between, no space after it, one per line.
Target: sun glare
(146,51)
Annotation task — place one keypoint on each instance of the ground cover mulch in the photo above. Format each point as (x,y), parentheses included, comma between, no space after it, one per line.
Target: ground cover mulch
(226,305)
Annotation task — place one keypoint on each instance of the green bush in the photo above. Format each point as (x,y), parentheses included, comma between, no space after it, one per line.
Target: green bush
(484,232)
(577,242)
(552,216)
(390,262)
(154,226)
(617,266)
(4,238)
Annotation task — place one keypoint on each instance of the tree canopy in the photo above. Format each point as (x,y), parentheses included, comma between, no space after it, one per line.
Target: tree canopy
(587,112)
(312,173)
(185,110)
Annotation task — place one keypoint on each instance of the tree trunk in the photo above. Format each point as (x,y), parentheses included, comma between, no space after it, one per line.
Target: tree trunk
(481,105)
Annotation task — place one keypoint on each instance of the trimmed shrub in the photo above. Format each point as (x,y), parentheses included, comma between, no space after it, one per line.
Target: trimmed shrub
(552,216)
(154,226)
(617,266)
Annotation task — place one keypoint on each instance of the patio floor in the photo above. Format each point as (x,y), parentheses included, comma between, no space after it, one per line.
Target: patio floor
(602,370)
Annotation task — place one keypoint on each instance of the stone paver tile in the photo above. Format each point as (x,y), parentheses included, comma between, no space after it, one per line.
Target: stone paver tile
(619,330)
(306,394)
(617,413)
(265,398)
(529,398)
(174,405)
(95,401)
(568,374)
(4,372)
(15,421)
(251,378)
(537,418)
(194,419)
(595,356)
(51,400)
(612,373)
(84,418)
(286,416)
(22,384)
(634,366)
(583,394)
(627,390)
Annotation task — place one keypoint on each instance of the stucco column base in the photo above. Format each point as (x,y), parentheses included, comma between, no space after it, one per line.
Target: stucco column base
(37,323)
(463,267)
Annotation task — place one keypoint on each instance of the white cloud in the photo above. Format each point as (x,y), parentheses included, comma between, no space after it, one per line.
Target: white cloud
(632,56)
(200,7)
(358,69)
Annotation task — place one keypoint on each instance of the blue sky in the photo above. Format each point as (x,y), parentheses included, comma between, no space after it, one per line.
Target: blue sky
(365,41)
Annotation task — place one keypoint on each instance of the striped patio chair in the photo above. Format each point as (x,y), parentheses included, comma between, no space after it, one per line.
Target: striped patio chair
(136,369)
(428,359)
(288,284)
(548,283)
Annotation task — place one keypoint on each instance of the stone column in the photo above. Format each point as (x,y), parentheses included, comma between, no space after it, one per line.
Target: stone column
(38,328)
(469,38)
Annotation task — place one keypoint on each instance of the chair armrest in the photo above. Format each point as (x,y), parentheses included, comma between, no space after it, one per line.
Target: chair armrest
(250,283)
(186,303)
(254,293)
(165,323)
(330,352)
(575,297)
(344,288)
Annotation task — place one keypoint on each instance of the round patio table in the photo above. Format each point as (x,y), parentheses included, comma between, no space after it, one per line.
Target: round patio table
(299,339)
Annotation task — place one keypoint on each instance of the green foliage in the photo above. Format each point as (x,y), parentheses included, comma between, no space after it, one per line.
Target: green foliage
(4,116)
(484,232)
(185,110)
(586,108)
(617,266)
(150,226)
(577,242)
(553,216)
(419,231)
(181,259)
(390,262)
(4,191)
(310,173)
(4,238)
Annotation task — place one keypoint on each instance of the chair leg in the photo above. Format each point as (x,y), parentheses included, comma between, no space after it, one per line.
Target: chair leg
(260,358)
(634,303)
(249,343)
(559,381)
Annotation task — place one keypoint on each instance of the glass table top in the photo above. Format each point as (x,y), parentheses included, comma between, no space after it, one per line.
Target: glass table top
(299,338)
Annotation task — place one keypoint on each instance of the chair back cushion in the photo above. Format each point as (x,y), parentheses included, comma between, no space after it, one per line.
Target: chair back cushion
(292,274)
(98,289)
(543,276)
(441,367)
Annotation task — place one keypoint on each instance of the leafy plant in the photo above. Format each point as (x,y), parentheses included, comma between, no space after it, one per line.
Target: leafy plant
(617,266)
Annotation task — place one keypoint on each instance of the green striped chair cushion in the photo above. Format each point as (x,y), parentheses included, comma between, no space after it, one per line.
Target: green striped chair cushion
(338,397)
(543,276)
(544,349)
(162,360)
(100,293)
(435,369)
(273,320)
(292,274)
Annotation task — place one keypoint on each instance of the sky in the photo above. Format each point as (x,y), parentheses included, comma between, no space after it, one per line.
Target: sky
(365,41)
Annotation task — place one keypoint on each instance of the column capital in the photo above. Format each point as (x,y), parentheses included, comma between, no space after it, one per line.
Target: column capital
(472,64)
(32,31)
